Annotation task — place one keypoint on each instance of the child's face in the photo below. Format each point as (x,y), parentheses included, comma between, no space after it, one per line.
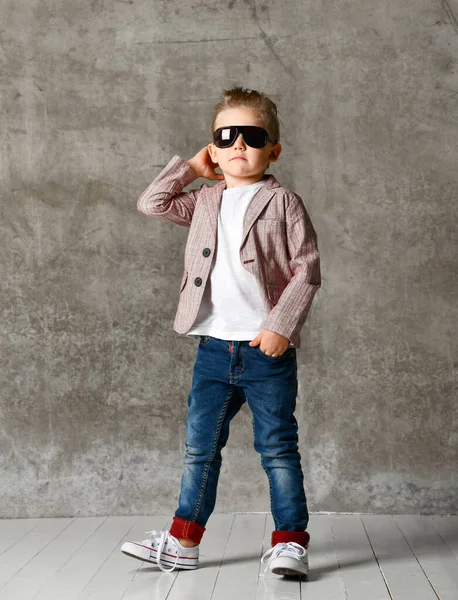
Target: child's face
(256,160)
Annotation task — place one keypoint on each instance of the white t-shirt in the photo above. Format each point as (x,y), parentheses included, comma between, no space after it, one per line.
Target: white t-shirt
(232,307)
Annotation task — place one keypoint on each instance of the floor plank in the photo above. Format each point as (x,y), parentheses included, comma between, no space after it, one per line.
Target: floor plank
(24,550)
(404,575)
(238,576)
(12,530)
(116,574)
(447,527)
(44,565)
(436,558)
(362,578)
(71,579)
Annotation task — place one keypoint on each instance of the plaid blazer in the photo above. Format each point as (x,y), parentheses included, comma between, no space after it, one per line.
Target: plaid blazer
(279,245)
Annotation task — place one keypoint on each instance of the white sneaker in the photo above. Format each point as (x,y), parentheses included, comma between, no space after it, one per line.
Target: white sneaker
(164,550)
(287,558)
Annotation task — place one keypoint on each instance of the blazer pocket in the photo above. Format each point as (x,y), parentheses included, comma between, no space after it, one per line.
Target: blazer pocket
(271,232)
(270,219)
(183,281)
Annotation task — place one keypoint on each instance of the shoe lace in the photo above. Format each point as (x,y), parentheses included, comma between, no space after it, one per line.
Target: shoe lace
(163,537)
(291,548)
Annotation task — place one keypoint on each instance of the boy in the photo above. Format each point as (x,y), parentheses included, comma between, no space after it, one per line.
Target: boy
(251,270)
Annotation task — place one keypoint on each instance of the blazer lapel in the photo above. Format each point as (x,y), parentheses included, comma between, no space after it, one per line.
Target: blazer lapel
(212,202)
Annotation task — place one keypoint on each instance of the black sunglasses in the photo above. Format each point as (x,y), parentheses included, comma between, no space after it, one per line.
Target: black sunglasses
(256,137)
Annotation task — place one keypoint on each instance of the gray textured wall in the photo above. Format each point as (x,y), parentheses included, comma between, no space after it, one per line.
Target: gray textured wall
(96,97)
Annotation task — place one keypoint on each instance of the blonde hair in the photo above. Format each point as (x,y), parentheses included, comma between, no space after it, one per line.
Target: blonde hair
(239,96)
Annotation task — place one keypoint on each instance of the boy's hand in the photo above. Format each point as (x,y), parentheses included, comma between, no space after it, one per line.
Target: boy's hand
(273,343)
(203,165)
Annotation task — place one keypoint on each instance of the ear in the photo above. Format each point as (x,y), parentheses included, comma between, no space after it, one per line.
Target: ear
(212,153)
(275,152)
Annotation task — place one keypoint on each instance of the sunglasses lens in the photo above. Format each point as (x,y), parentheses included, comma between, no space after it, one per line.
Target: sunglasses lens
(254,136)
(225,136)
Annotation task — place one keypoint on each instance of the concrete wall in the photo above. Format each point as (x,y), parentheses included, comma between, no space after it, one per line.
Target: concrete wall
(96,97)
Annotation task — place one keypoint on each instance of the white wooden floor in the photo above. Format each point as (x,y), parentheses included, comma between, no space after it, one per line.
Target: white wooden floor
(352,557)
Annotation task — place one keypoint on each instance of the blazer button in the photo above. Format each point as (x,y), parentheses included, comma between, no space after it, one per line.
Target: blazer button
(206,252)
(198,281)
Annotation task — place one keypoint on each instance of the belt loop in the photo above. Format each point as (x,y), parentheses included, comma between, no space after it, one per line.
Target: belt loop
(230,347)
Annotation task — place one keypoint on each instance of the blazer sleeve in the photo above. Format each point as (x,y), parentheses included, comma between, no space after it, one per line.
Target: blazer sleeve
(288,316)
(164,200)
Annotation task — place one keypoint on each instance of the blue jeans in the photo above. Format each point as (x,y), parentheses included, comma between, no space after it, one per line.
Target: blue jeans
(226,374)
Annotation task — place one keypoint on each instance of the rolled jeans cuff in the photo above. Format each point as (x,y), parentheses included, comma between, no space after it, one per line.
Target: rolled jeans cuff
(300,537)
(186,530)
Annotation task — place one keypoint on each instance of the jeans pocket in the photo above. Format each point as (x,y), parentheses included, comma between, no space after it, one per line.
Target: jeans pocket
(288,353)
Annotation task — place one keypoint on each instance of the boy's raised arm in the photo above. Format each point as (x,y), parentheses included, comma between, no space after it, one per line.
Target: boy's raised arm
(163,198)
